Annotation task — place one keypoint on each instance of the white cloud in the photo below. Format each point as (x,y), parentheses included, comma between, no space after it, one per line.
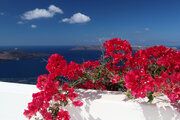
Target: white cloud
(37,13)
(146,29)
(1,13)
(41,13)
(20,22)
(33,26)
(53,8)
(77,18)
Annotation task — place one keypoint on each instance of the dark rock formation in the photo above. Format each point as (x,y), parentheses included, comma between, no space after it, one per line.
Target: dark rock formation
(19,55)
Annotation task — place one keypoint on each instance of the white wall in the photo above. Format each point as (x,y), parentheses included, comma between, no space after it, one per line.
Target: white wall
(98,105)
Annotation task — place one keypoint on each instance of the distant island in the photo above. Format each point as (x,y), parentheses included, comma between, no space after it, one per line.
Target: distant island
(98,47)
(19,55)
(93,47)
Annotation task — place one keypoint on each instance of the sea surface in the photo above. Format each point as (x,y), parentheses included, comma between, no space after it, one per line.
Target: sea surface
(27,71)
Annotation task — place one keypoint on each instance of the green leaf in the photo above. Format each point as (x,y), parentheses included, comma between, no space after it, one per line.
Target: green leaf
(129,95)
(150,97)
(65,103)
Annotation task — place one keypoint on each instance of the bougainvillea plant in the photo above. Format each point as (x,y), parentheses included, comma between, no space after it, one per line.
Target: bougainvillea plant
(144,74)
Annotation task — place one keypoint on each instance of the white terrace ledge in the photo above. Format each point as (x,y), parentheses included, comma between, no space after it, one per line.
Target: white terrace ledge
(98,105)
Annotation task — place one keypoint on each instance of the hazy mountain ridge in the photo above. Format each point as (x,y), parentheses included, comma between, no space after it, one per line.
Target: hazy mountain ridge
(8,55)
(99,47)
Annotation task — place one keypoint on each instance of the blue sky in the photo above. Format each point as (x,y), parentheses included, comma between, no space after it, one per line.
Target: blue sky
(85,22)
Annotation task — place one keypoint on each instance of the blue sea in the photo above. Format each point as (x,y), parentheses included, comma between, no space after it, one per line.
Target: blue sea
(27,71)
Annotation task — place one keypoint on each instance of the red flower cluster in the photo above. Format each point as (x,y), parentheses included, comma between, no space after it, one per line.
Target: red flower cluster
(73,71)
(56,64)
(139,60)
(155,69)
(118,50)
(89,64)
(41,99)
(63,115)
(163,64)
(169,84)
(139,82)
(54,92)
(116,78)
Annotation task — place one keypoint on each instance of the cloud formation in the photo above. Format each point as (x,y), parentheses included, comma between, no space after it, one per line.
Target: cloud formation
(77,18)
(41,13)
(33,26)
(54,9)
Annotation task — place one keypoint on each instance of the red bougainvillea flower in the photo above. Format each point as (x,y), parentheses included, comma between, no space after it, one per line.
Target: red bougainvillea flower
(90,85)
(72,95)
(46,115)
(169,85)
(35,105)
(56,65)
(139,82)
(87,64)
(60,97)
(170,60)
(63,115)
(42,81)
(115,79)
(65,86)
(90,64)
(155,69)
(87,85)
(77,103)
(160,55)
(118,50)
(161,81)
(139,60)
(73,71)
